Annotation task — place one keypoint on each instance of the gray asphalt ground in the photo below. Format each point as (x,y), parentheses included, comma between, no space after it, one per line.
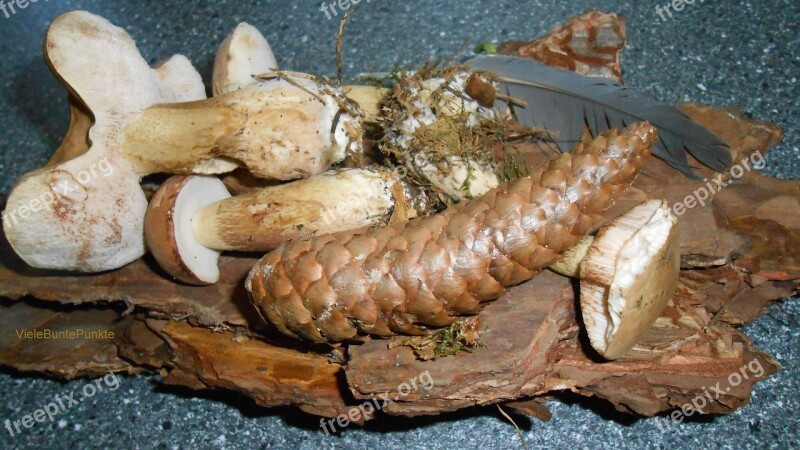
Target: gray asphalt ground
(717,52)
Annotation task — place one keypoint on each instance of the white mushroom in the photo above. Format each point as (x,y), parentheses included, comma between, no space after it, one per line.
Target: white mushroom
(180,80)
(628,276)
(244,54)
(191,219)
(87,214)
(168,227)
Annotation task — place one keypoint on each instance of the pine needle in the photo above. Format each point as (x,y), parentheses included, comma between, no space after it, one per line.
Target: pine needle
(519,432)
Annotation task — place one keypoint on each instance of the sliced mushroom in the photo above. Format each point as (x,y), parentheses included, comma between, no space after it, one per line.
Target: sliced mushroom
(628,276)
(190,219)
(168,227)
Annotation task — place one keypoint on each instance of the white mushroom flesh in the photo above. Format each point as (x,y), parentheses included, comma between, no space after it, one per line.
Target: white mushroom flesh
(198,192)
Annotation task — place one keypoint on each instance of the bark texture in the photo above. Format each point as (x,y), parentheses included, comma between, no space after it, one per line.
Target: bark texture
(589,44)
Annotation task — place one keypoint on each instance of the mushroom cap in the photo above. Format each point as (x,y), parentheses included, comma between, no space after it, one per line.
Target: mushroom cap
(180,79)
(82,215)
(168,228)
(243,54)
(629,275)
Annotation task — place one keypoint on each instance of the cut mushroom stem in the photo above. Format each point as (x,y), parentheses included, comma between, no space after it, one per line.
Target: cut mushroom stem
(628,276)
(191,219)
(570,264)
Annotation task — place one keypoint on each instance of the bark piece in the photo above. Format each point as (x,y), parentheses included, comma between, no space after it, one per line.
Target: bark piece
(66,356)
(678,365)
(271,375)
(518,334)
(139,284)
(774,251)
(589,44)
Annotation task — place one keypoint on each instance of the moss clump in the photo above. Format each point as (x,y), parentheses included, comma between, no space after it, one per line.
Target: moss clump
(460,336)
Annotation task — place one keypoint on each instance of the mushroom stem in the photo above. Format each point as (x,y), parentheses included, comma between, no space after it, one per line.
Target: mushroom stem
(327,203)
(190,220)
(570,264)
(369,98)
(282,128)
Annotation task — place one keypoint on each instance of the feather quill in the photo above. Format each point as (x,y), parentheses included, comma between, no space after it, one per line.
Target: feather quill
(563,102)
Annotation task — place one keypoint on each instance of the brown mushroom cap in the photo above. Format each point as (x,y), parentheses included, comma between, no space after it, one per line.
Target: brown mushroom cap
(629,275)
(168,228)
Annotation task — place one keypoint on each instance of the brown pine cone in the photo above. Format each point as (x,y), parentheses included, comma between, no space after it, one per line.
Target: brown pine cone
(401,278)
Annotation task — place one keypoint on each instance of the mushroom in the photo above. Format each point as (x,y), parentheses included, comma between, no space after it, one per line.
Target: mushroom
(191,219)
(368,98)
(628,276)
(179,79)
(79,217)
(244,54)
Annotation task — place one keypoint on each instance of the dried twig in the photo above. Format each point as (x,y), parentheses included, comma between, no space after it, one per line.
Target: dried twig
(339,42)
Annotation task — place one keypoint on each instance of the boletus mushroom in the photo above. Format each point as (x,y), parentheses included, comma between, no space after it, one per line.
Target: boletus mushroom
(190,219)
(86,214)
(628,276)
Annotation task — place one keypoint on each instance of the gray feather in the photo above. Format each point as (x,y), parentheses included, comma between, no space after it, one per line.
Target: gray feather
(563,102)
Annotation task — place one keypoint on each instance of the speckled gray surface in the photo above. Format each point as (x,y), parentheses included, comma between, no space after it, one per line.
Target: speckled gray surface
(745,53)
